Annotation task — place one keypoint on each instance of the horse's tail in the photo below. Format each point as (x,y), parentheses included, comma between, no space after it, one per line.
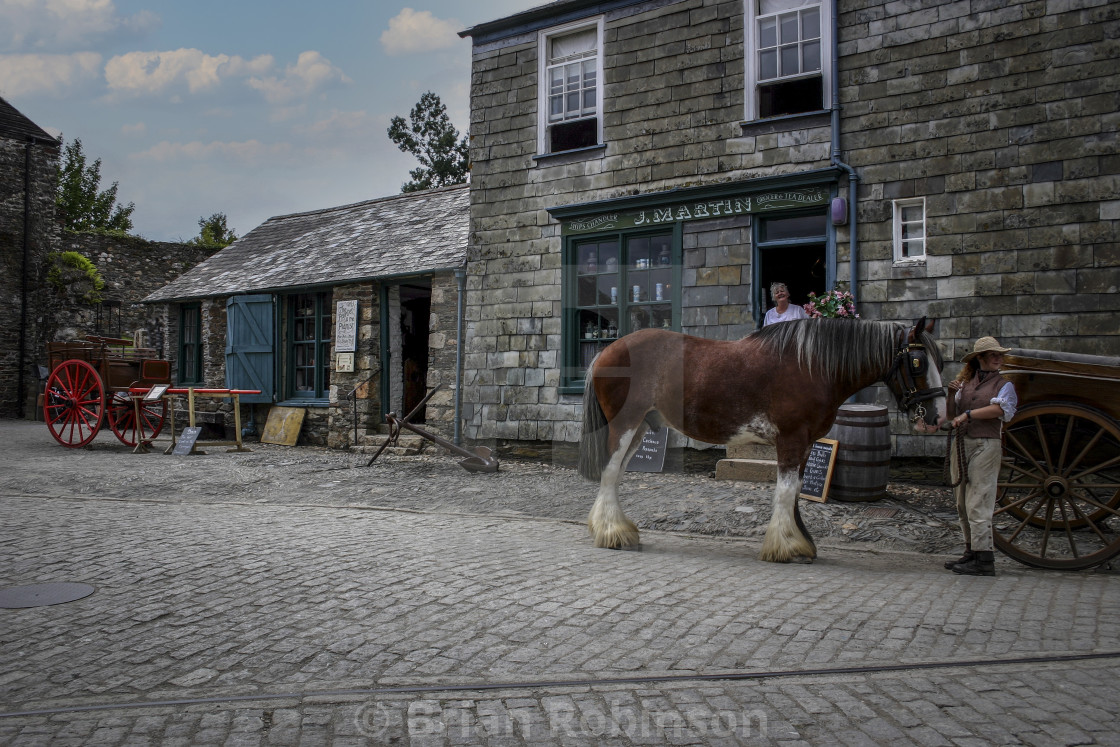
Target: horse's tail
(593,440)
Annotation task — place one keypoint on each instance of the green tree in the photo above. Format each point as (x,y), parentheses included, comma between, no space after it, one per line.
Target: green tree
(82,204)
(212,231)
(430,136)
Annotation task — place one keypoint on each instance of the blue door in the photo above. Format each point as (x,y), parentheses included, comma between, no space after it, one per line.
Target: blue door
(250,356)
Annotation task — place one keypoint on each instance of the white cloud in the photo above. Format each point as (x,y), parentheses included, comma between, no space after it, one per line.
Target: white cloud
(411,31)
(46,73)
(311,72)
(65,24)
(140,73)
(340,124)
(139,128)
(248,151)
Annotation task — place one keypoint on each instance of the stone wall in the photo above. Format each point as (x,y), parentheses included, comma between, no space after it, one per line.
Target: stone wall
(443,345)
(18,327)
(1002,115)
(365,381)
(132,268)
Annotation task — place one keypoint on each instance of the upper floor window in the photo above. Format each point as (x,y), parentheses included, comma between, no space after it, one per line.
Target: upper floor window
(571,74)
(909,229)
(787,57)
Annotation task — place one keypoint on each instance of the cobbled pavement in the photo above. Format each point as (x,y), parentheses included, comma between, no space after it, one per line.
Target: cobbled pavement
(292,596)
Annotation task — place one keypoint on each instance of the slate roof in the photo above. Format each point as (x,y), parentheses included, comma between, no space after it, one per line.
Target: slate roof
(15,126)
(405,234)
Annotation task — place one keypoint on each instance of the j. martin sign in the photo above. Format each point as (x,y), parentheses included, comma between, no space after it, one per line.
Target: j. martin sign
(699,210)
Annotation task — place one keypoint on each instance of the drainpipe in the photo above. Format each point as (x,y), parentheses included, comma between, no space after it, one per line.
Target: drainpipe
(461,280)
(853,178)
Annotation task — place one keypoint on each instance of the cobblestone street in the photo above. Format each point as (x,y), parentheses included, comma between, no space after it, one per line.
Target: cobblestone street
(287,596)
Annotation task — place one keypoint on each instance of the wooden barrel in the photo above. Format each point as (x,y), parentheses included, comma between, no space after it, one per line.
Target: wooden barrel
(863,458)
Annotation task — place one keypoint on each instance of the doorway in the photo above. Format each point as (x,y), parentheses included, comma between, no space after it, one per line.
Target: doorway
(409,317)
(791,250)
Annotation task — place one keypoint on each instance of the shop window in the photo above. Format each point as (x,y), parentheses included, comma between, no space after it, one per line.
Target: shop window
(614,285)
(787,57)
(311,322)
(571,74)
(190,344)
(909,230)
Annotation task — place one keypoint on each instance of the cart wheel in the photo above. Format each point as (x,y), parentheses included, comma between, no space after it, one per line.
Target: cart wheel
(122,419)
(1058,500)
(74,403)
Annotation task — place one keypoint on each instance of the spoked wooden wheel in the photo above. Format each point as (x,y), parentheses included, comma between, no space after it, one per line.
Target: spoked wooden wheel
(1058,501)
(74,403)
(122,419)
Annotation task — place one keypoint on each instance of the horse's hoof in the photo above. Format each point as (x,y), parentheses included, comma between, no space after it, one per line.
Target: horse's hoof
(802,559)
(631,548)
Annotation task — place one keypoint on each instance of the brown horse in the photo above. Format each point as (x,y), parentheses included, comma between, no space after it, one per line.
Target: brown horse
(781,385)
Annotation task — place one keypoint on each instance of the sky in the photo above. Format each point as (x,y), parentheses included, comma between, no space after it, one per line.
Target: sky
(252,108)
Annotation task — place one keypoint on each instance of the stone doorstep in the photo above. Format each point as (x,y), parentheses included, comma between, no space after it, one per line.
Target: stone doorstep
(750,470)
(408,444)
(749,462)
(752,451)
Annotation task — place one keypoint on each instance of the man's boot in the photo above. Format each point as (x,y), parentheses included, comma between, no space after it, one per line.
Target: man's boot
(968,555)
(983,563)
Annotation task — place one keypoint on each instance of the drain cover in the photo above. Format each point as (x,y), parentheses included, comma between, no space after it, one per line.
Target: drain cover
(42,595)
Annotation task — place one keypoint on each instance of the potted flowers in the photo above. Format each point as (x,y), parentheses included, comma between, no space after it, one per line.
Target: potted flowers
(834,304)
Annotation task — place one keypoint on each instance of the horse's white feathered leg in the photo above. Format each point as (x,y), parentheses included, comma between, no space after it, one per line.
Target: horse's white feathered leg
(608,525)
(784,541)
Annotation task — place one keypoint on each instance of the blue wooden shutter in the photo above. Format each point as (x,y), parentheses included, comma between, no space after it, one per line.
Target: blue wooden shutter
(249,353)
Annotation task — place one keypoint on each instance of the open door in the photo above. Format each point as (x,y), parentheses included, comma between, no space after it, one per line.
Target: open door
(408,320)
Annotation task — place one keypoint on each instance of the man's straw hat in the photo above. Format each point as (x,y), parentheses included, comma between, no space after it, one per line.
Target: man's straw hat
(984,345)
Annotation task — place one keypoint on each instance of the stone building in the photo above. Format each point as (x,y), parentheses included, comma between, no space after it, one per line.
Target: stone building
(347,312)
(660,162)
(28,175)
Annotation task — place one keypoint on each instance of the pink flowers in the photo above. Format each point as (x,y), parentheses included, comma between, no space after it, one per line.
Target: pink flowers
(832,304)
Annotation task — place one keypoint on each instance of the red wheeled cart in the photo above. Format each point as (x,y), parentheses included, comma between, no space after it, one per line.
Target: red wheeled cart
(90,382)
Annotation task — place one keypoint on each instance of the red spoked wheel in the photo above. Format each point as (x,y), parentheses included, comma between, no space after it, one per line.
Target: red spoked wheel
(74,403)
(122,419)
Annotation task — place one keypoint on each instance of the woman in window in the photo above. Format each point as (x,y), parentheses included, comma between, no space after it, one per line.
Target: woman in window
(783,311)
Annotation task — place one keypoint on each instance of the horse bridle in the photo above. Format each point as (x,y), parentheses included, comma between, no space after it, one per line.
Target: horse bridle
(911,362)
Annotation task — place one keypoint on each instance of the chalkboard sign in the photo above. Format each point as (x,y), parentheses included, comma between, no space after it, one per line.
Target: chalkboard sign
(818,470)
(650,456)
(186,440)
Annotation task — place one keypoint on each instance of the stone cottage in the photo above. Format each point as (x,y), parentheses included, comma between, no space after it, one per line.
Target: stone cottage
(28,178)
(643,163)
(347,312)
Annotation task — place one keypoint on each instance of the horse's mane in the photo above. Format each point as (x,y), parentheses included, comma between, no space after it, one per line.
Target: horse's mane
(847,348)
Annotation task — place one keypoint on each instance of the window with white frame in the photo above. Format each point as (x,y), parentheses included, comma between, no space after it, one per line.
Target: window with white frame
(571,74)
(909,229)
(788,57)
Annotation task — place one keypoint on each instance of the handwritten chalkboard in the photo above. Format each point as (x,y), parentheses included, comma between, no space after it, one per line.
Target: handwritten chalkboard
(818,470)
(186,440)
(650,456)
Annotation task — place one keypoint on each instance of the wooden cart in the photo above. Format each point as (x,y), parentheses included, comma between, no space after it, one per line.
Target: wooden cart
(1058,502)
(90,382)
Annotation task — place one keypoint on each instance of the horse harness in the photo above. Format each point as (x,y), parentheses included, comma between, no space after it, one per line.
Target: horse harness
(908,374)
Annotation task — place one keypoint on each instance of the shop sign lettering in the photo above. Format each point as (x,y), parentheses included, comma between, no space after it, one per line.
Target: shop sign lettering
(700,210)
